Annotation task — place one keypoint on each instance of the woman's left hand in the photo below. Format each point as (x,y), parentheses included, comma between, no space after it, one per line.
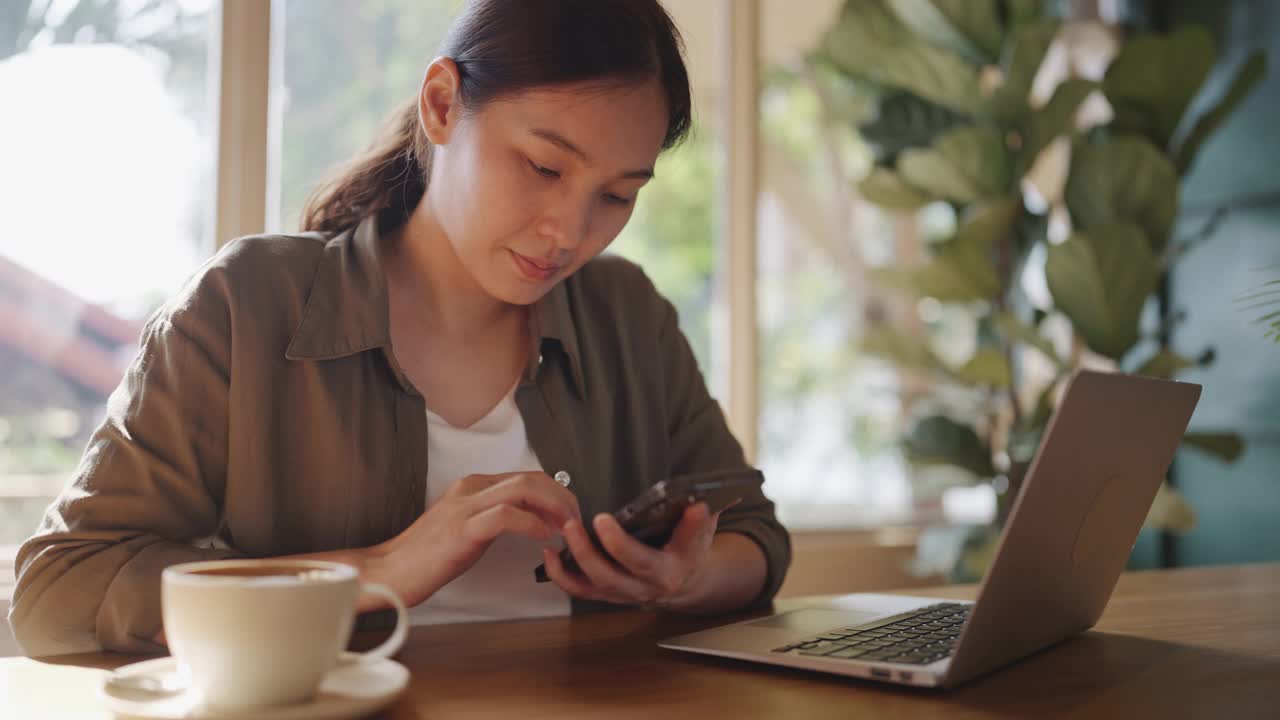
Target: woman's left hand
(638,574)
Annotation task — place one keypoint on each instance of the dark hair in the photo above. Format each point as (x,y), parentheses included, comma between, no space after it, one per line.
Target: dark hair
(502,47)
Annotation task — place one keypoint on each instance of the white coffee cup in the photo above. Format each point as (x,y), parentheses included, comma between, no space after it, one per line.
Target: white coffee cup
(253,633)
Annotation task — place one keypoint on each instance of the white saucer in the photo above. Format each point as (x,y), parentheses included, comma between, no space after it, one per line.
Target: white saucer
(353,689)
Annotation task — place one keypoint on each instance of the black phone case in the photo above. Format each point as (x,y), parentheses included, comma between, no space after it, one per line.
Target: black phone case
(653,515)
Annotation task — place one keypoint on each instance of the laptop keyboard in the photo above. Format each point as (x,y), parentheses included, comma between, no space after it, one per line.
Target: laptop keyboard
(918,637)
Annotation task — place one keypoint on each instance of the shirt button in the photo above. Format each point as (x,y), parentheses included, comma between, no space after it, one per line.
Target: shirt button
(562,477)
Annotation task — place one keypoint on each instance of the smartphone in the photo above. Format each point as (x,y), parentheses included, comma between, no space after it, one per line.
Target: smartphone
(654,514)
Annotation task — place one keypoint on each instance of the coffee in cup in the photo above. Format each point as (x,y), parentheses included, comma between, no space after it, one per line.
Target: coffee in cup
(254,633)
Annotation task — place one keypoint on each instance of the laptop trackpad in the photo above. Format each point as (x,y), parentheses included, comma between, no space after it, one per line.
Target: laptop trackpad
(816,620)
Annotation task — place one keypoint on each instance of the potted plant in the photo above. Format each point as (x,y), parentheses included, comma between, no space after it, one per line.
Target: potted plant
(955,123)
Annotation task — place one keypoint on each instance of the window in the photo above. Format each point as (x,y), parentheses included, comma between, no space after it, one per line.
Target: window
(671,236)
(107,187)
(828,413)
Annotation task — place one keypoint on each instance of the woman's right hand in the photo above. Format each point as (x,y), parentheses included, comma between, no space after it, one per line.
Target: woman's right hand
(456,529)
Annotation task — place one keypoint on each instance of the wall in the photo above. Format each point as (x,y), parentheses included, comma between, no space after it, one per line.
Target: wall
(1237,504)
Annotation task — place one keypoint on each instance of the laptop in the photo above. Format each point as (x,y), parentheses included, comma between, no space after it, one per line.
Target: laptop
(1067,539)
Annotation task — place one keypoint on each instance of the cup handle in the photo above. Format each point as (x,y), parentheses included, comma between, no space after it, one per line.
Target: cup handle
(392,644)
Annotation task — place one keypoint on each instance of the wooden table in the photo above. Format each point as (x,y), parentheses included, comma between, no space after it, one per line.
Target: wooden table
(1172,644)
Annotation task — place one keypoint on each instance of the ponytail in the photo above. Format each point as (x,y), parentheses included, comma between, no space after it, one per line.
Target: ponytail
(390,176)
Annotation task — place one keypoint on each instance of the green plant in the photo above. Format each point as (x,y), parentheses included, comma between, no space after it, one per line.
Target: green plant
(954,125)
(1266,298)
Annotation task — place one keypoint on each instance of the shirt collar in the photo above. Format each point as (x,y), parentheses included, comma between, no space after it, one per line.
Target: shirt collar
(347,308)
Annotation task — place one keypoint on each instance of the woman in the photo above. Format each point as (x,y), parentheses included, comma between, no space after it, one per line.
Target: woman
(395,387)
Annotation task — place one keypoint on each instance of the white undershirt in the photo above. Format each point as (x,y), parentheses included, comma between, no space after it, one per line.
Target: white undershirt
(500,585)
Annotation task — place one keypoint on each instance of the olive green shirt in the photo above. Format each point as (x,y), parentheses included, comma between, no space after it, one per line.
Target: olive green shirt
(265,409)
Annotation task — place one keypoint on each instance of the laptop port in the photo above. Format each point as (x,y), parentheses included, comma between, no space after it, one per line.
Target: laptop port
(905,675)
(881,673)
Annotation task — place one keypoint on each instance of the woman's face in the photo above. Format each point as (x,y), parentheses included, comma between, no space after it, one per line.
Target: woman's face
(532,186)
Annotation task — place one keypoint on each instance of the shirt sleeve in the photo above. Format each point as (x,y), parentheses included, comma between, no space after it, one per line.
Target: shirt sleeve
(147,489)
(701,442)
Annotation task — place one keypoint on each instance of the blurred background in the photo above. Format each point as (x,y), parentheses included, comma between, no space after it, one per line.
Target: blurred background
(896,227)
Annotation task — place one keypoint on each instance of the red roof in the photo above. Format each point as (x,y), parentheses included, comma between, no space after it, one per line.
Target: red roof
(55,327)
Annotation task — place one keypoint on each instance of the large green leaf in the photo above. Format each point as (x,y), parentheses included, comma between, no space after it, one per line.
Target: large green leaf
(969,28)
(1249,75)
(1154,78)
(868,41)
(1018,330)
(989,224)
(988,366)
(845,100)
(903,120)
(1101,279)
(941,440)
(1165,364)
(979,20)
(1021,12)
(1225,446)
(886,188)
(1053,119)
(1022,61)
(908,351)
(1123,180)
(965,164)
(979,152)
(929,170)
(960,271)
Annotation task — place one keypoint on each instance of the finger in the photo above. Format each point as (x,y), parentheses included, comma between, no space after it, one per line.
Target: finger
(542,483)
(637,558)
(534,492)
(573,583)
(488,524)
(601,571)
(695,530)
(478,483)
